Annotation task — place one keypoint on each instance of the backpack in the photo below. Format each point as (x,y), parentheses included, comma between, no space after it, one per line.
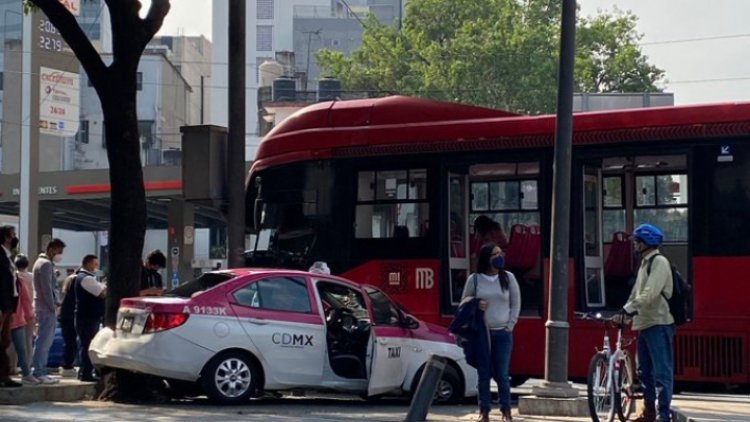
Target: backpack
(679,305)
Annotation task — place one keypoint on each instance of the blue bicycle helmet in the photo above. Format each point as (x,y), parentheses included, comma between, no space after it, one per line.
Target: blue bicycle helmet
(648,234)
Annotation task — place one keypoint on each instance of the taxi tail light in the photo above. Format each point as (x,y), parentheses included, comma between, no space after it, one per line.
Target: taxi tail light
(160,321)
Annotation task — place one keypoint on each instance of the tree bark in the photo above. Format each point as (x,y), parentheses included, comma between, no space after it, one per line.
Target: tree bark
(116,87)
(128,197)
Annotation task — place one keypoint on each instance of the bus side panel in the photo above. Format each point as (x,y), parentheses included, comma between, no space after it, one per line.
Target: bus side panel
(715,346)
(413,283)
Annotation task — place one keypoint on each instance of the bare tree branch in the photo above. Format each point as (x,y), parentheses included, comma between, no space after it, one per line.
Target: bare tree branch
(72,33)
(155,18)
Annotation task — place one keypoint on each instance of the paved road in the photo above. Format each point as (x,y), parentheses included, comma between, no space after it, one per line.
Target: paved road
(698,408)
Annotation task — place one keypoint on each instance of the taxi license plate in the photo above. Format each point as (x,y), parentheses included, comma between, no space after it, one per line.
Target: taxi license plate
(127,324)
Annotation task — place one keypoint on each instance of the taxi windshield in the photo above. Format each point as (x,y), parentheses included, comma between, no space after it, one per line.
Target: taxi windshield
(198,285)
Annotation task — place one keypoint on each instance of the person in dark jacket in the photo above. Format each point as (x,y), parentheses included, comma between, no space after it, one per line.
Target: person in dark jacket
(471,332)
(151,282)
(8,300)
(500,299)
(89,312)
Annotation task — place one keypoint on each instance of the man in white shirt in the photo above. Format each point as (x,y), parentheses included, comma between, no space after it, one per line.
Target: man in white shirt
(89,311)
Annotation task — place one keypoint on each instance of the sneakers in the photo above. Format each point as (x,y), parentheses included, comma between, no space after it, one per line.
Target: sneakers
(46,379)
(30,380)
(9,383)
(68,372)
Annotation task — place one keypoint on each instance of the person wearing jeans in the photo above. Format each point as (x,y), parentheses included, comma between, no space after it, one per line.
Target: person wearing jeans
(648,307)
(46,303)
(500,299)
(21,318)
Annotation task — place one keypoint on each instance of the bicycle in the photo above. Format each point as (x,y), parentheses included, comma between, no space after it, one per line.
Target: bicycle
(610,381)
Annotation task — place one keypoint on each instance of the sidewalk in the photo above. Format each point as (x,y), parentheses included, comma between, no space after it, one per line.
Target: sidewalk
(688,408)
(703,408)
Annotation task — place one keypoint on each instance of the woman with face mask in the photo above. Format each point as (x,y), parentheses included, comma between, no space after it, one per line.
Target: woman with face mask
(501,302)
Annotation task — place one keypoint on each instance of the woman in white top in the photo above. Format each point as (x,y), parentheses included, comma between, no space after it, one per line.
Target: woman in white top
(501,302)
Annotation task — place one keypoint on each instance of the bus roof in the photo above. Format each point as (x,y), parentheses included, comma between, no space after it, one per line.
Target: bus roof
(403,125)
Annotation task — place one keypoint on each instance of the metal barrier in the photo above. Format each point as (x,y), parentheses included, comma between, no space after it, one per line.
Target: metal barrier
(428,383)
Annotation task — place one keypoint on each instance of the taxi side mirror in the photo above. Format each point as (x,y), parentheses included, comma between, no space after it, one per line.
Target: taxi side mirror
(409,322)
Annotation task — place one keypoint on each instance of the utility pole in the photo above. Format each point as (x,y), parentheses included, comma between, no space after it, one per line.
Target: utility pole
(236,141)
(556,383)
(556,396)
(309,42)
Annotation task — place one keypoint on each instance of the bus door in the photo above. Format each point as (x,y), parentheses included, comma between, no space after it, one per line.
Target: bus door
(458,235)
(593,251)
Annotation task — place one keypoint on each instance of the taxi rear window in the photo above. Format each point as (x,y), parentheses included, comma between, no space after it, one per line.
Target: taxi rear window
(204,282)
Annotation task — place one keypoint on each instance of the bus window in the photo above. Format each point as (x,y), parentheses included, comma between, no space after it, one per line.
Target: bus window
(508,193)
(391,204)
(662,200)
(613,214)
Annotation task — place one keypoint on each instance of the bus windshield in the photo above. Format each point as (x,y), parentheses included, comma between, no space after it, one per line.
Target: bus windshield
(287,220)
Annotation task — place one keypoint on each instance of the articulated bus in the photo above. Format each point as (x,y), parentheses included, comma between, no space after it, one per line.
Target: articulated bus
(385,191)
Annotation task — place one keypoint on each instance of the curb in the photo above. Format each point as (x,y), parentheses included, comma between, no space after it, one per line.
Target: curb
(63,392)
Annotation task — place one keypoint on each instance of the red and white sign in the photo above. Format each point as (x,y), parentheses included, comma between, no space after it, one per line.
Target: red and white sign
(59,100)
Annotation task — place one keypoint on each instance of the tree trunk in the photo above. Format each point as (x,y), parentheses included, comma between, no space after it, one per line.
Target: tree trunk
(128,206)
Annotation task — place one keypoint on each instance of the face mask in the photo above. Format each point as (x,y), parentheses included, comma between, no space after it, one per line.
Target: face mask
(58,258)
(498,262)
(14,243)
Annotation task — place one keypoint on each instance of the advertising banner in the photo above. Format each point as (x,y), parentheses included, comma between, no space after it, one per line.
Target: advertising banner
(59,100)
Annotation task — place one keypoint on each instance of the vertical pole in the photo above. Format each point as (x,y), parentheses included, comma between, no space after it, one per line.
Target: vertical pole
(556,363)
(236,144)
(28,232)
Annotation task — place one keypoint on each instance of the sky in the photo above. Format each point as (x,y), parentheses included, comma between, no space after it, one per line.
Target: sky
(702,45)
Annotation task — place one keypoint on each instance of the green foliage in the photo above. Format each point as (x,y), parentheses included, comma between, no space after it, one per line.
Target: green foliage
(495,53)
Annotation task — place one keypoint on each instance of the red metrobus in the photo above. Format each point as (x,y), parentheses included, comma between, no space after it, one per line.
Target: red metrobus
(385,191)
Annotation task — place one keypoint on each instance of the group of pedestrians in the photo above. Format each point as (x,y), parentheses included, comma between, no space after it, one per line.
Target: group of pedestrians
(30,306)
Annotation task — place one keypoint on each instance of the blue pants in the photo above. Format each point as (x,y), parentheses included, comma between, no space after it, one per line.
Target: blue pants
(70,340)
(18,335)
(501,345)
(86,330)
(44,338)
(656,365)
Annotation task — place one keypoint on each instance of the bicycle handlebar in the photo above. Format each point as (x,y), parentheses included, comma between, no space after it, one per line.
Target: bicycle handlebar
(591,316)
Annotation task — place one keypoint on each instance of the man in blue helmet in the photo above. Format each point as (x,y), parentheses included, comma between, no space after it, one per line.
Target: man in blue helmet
(651,317)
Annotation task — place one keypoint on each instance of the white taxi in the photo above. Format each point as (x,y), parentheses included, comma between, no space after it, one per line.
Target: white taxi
(240,332)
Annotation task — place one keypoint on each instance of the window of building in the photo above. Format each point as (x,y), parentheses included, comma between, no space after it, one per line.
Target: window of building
(139,81)
(264,9)
(1,80)
(662,200)
(82,137)
(392,203)
(287,294)
(264,38)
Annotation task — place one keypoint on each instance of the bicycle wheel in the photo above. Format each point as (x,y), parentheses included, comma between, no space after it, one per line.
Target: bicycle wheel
(624,399)
(599,391)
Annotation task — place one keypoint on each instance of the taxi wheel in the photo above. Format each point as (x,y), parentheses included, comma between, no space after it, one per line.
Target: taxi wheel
(230,378)
(449,390)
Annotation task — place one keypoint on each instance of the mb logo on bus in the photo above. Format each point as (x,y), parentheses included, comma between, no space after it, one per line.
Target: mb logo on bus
(425,278)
